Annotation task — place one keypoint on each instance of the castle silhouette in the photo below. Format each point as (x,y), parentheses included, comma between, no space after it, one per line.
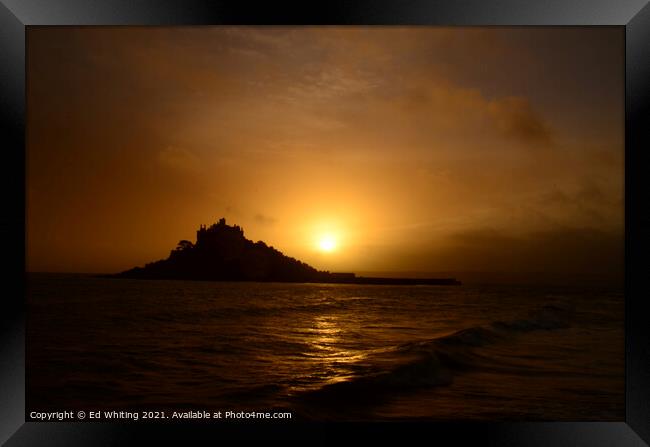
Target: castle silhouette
(207,235)
(222,253)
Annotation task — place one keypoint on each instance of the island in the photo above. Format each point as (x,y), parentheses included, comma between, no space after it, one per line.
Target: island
(222,253)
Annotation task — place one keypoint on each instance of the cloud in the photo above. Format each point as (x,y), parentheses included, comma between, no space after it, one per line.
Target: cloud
(433,112)
(565,250)
(264,220)
(589,203)
(179,158)
(515,117)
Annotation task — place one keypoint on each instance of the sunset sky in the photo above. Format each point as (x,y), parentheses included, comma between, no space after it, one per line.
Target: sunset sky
(401,149)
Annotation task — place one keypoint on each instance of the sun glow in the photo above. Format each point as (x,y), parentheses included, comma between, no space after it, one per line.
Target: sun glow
(327,243)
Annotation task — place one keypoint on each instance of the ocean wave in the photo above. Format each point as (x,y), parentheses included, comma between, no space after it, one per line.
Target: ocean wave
(434,362)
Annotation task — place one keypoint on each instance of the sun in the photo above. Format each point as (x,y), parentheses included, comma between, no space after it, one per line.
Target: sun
(327,243)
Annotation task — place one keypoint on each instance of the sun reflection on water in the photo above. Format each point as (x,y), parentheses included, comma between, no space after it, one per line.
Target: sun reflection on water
(328,347)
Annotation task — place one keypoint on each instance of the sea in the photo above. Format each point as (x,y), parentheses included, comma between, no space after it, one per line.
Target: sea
(326,352)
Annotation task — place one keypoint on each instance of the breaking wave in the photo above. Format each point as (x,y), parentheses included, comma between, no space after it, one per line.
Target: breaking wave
(434,362)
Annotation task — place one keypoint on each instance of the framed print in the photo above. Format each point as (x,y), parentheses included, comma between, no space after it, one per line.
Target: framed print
(426,218)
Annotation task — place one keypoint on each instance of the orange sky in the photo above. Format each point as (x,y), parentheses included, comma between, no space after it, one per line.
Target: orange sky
(420,149)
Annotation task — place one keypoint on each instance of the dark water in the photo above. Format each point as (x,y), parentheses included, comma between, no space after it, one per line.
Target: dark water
(326,351)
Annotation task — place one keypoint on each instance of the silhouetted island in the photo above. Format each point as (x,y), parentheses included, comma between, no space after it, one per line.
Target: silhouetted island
(222,253)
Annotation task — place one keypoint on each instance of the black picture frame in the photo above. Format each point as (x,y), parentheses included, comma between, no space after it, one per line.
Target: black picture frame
(633,15)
